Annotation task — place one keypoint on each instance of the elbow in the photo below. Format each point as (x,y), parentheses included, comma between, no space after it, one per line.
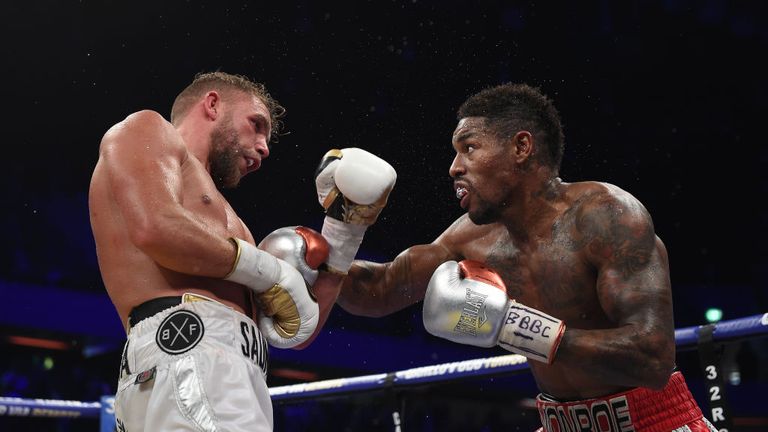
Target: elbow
(660,361)
(146,236)
(658,379)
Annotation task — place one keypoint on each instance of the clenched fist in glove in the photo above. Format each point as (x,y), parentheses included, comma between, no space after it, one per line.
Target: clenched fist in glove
(466,302)
(352,186)
(303,248)
(289,313)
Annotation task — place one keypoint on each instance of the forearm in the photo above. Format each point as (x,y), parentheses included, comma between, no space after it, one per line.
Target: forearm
(631,355)
(187,246)
(326,291)
(373,289)
(362,291)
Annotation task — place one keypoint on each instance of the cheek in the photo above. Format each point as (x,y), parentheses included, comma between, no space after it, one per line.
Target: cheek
(490,170)
(495,183)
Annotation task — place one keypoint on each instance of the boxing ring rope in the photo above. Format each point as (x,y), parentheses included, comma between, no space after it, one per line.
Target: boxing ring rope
(687,338)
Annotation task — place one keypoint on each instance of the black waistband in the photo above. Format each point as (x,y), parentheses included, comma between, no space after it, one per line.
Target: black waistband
(151,307)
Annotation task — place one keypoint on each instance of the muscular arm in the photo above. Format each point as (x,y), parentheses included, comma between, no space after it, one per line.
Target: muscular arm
(144,157)
(326,290)
(634,290)
(373,289)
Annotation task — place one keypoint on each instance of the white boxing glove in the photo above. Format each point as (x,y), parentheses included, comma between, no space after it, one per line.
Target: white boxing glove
(466,302)
(352,186)
(289,314)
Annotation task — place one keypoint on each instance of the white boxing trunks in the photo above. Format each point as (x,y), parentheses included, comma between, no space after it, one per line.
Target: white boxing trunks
(196,366)
(671,409)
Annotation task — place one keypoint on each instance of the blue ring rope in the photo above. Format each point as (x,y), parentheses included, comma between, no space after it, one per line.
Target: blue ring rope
(685,338)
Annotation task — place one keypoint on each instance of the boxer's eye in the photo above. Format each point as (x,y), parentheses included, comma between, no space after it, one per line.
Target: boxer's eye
(259,124)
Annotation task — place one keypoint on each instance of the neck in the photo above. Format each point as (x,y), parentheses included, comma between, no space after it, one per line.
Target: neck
(195,140)
(534,206)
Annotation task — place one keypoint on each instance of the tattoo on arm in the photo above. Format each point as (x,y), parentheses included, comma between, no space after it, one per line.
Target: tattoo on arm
(625,240)
(364,273)
(399,278)
(505,260)
(382,283)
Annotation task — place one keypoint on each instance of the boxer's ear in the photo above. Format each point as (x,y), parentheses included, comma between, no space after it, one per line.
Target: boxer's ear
(212,104)
(523,146)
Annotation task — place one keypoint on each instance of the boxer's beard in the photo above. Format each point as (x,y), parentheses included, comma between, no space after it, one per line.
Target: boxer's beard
(484,214)
(225,155)
(483,211)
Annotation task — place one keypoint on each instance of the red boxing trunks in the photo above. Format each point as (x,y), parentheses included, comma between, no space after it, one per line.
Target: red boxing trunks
(671,409)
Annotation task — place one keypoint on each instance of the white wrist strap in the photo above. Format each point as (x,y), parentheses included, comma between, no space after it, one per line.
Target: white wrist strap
(253,267)
(530,332)
(344,240)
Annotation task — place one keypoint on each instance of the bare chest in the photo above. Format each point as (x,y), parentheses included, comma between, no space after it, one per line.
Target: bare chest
(549,274)
(201,198)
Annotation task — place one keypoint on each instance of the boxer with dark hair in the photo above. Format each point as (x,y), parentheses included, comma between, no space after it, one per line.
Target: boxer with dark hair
(199,300)
(570,275)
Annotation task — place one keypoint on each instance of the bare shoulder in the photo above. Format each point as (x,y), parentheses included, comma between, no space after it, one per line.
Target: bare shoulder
(614,226)
(463,232)
(605,200)
(140,127)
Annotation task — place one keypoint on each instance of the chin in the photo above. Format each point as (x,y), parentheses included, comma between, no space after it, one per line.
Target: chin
(482,218)
(224,183)
(233,183)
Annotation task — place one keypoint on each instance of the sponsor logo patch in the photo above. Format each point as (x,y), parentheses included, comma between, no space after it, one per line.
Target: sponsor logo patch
(145,376)
(179,332)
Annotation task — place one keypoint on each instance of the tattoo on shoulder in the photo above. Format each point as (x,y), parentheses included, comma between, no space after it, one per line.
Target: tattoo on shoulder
(622,236)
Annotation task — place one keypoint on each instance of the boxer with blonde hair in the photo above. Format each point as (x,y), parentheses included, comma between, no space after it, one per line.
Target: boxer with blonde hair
(200,301)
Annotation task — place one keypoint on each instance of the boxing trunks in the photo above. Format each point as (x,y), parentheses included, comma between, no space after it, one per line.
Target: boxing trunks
(196,366)
(671,409)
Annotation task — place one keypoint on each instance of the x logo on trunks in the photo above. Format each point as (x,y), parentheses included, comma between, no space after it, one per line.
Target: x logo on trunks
(179,332)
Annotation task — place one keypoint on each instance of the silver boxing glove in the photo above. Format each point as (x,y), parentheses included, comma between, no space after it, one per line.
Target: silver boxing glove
(303,248)
(289,312)
(466,302)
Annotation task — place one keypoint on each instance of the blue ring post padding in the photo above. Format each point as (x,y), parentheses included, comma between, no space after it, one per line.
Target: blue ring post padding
(752,326)
(107,417)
